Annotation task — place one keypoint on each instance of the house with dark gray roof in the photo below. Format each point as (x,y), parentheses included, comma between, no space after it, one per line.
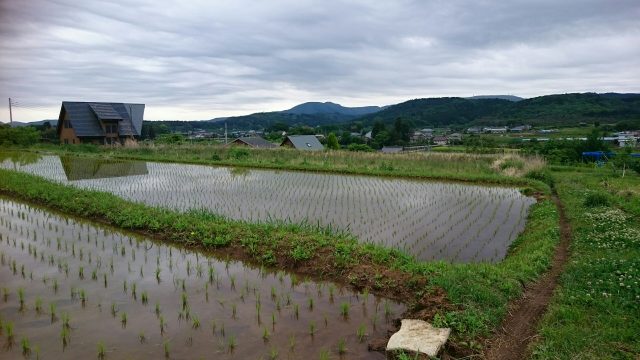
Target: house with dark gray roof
(99,123)
(253,142)
(303,142)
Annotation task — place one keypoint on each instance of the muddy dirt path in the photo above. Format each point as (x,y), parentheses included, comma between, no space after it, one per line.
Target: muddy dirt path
(519,328)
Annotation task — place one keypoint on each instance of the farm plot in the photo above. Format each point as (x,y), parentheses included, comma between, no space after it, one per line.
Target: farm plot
(428,220)
(77,290)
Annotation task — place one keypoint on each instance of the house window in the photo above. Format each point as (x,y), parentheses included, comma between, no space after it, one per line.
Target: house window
(111,128)
(67,124)
(66,141)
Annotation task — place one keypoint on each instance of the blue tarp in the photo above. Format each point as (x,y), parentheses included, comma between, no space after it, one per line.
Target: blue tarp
(599,155)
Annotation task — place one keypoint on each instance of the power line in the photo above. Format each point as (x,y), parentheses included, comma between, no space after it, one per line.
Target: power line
(29,106)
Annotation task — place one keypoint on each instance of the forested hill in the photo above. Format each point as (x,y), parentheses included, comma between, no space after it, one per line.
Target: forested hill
(569,109)
(437,112)
(549,110)
(269,119)
(552,110)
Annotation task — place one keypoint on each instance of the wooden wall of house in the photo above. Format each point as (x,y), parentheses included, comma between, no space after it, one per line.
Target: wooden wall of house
(68,134)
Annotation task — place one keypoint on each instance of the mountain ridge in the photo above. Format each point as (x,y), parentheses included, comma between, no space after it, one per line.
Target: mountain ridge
(328,107)
(547,110)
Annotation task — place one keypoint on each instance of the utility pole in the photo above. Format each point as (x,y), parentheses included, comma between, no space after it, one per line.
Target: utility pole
(225,132)
(10,114)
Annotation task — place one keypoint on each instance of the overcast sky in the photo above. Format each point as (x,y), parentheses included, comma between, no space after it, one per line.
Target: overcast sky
(193,60)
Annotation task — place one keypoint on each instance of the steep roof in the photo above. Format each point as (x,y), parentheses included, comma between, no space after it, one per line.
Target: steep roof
(304,142)
(104,111)
(255,141)
(85,117)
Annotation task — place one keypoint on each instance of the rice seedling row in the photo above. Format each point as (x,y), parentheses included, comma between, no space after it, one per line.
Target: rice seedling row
(74,289)
(428,220)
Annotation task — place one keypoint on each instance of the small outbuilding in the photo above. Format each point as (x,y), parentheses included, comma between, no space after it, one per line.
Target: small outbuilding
(303,142)
(255,142)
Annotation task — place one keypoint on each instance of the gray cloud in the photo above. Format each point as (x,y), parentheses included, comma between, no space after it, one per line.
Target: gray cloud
(203,59)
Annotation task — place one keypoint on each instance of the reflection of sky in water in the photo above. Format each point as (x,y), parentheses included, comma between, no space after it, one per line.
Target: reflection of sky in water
(430,220)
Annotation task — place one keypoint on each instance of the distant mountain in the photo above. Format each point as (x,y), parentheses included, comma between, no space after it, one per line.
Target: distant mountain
(306,114)
(310,108)
(53,123)
(503,97)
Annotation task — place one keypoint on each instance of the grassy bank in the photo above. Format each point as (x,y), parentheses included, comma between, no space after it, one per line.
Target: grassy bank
(432,165)
(595,313)
(470,298)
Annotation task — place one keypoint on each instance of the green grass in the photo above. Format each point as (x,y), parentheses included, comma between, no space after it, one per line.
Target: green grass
(480,292)
(595,313)
(433,165)
(484,290)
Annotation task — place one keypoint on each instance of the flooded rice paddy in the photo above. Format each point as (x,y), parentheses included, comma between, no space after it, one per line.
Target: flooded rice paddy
(72,289)
(428,220)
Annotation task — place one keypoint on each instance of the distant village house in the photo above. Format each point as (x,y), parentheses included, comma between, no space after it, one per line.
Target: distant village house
(99,123)
(255,142)
(521,128)
(440,140)
(495,130)
(455,137)
(303,142)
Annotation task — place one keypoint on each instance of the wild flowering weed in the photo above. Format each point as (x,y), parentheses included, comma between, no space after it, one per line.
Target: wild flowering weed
(610,229)
(616,280)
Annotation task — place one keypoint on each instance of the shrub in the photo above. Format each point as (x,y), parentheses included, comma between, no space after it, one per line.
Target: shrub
(359,147)
(635,166)
(239,153)
(332,142)
(22,136)
(597,198)
(170,139)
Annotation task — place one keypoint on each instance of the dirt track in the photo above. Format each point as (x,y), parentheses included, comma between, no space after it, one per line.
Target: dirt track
(520,326)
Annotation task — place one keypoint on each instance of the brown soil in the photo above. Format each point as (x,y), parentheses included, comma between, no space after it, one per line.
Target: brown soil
(519,328)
